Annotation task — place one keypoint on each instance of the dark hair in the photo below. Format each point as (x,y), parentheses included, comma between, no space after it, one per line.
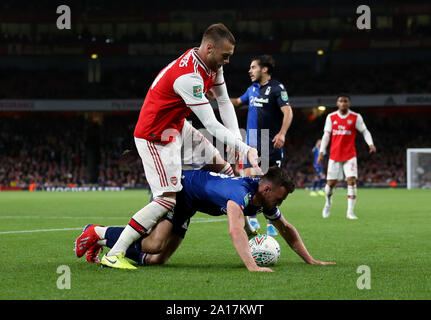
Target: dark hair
(343,95)
(266,61)
(217,32)
(279,177)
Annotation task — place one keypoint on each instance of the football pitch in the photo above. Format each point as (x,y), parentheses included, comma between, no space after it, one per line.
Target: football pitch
(387,250)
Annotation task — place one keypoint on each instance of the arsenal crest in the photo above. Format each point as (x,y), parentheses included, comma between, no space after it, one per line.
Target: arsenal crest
(174,180)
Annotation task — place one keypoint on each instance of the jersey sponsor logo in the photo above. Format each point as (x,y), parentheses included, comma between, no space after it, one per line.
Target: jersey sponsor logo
(284,96)
(197,91)
(258,102)
(341,132)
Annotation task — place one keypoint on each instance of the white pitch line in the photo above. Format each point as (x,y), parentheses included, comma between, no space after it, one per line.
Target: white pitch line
(58,217)
(39,230)
(203,220)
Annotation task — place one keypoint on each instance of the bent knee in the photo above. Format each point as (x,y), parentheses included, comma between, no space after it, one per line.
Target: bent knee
(156,259)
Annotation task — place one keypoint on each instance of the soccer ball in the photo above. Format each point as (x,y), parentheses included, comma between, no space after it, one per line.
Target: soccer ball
(265,250)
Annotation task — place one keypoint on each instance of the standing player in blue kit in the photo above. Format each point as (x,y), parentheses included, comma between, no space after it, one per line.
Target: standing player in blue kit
(269,117)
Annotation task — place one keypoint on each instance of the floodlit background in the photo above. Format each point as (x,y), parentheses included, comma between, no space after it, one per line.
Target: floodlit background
(69,98)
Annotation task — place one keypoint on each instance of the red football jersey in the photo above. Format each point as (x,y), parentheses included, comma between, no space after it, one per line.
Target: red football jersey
(181,84)
(343,129)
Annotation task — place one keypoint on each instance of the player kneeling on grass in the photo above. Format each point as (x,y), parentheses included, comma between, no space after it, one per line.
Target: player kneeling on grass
(214,194)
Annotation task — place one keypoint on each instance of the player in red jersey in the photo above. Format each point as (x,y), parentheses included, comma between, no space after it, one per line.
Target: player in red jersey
(341,126)
(162,131)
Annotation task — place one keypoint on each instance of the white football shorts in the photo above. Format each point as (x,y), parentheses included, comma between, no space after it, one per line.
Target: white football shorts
(163,163)
(337,170)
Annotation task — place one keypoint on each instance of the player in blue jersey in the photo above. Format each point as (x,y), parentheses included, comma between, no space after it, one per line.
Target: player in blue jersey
(214,194)
(319,178)
(268,119)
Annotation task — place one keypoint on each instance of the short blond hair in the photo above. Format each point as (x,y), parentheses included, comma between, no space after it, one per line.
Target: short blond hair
(218,32)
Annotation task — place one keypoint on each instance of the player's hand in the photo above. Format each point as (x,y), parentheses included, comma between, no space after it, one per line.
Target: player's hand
(253,157)
(372,149)
(279,140)
(322,263)
(260,269)
(319,158)
(210,95)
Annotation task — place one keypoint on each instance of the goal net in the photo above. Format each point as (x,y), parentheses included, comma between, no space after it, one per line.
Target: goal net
(419,168)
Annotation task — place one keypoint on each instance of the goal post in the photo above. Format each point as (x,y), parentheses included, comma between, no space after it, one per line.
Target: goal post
(418,168)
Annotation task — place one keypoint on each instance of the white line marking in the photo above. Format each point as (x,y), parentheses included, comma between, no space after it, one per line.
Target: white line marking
(40,230)
(196,220)
(58,217)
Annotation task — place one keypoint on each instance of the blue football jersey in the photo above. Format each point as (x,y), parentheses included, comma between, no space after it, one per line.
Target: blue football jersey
(209,192)
(264,103)
(248,97)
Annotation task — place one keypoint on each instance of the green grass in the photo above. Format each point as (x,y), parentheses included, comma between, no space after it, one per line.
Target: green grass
(392,237)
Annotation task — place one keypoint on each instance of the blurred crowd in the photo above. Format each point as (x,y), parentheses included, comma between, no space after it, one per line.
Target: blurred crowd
(392,135)
(51,150)
(62,151)
(133,83)
(321,23)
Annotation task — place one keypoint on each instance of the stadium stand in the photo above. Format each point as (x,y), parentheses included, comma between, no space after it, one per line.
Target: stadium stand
(52,149)
(43,149)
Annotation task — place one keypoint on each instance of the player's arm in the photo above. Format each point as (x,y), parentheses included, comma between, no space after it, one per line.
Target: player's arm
(293,239)
(362,128)
(206,115)
(227,114)
(226,108)
(236,102)
(189,87)
(280,137)
(239,237)
(325,139)
(283,102)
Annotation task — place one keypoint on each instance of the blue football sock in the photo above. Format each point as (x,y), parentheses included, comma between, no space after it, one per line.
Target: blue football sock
(133,252)
(321,183)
